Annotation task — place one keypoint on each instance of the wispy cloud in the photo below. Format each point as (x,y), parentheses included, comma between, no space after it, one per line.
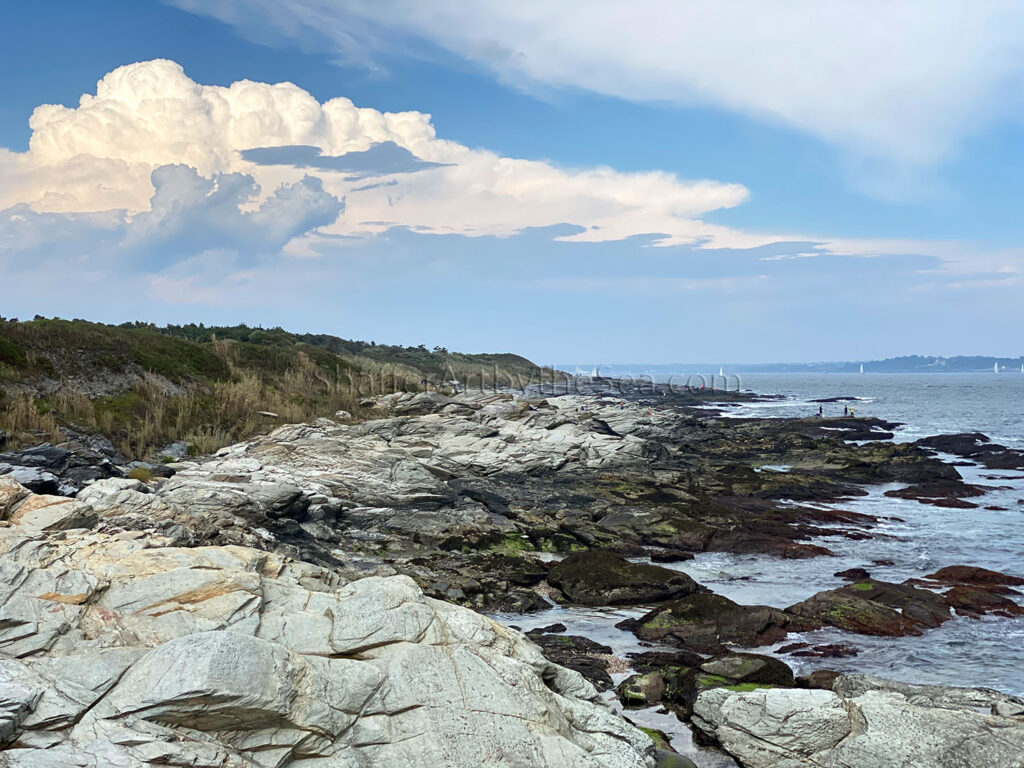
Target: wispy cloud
(900,82)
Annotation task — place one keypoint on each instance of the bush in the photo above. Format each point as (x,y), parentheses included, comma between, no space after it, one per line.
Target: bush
(11,354)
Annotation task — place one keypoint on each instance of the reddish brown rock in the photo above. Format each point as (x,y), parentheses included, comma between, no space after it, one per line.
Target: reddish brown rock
(969,574)
(975,602)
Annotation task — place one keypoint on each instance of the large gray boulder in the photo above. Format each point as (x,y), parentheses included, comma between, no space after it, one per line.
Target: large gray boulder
(865,722)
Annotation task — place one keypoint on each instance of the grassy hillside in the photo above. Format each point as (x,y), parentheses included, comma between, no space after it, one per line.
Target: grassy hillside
(145,386)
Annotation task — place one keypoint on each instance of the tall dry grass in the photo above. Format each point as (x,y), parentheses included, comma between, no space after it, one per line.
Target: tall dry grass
(206,418)
(21,416)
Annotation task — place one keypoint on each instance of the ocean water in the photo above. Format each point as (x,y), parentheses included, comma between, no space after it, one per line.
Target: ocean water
(917,538)
(927,403)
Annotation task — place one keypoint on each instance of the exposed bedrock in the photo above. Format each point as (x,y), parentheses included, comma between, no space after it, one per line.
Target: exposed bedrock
(865,722)
(122,649)
(437,485)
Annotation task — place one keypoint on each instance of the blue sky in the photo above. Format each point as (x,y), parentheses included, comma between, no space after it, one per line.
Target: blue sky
(700,181)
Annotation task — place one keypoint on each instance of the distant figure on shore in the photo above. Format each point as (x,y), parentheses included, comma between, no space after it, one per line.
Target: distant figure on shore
(851,411)
(846,410)
(821,411)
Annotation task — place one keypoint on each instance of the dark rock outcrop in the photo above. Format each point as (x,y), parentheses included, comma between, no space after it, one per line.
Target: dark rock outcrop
(872,607)
(703,622)
(66,468)
(605,578)
(969,574)
(976,447)
(679,686)
(853,574)
(581,654)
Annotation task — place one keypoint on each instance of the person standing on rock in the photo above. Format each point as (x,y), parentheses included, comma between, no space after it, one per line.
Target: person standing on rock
(821,411)
(846,410)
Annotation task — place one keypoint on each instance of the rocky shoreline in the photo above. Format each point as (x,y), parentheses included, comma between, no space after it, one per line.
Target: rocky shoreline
(348,564)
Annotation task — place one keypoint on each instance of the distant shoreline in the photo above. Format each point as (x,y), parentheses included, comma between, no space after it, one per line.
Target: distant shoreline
(974,365)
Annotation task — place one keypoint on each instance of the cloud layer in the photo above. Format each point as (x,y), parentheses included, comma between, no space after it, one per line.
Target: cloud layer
(903,81)
(101,154)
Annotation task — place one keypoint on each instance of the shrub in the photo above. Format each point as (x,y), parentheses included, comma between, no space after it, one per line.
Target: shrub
(11,354)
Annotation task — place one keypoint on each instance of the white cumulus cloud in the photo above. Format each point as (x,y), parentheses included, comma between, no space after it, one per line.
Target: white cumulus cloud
(101,155)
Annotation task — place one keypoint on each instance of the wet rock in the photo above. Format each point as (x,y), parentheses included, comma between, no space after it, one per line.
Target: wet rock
(1006,459)
(669,556)
(865,722)
(490,582)
(828,651)
(665,660)
(702,622)
(734,671)
(674,669)
(667,759)
(975,591)
(752,543)
(963,444)
(580,654)
(552,629)
(945,493)
(642,690)
(606,578)
(853,574)
(740,668)
(969,574)
(822,679)
(976,447)
(974,602)
(872,607)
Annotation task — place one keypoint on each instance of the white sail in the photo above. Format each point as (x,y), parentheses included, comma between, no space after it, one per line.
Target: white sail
(862,367)
(995,367)
(594,373)
(721,370)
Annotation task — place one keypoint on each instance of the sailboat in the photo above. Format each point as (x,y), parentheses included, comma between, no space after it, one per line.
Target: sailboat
(862,367)
(995,367)
(1022,367)
(721,370)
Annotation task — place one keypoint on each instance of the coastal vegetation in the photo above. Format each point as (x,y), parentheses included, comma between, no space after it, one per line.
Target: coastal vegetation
(144,386)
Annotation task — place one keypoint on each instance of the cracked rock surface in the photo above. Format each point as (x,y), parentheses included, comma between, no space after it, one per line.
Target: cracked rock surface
(865,722)
(118,648)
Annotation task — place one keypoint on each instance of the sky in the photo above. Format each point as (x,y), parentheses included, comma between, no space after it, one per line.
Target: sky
(599,182)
